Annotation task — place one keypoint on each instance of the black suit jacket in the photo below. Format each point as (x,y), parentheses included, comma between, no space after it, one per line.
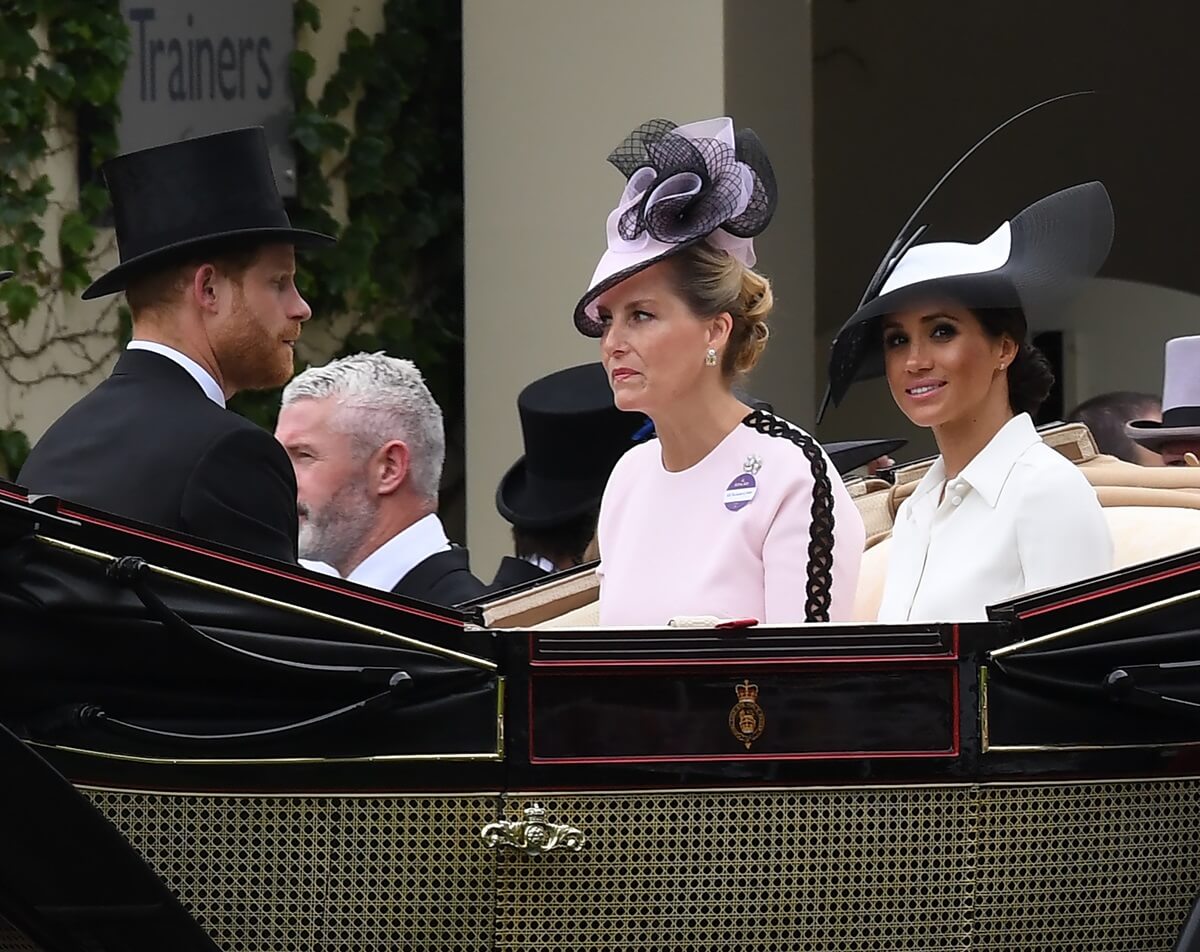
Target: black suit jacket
(444,579)
(514,571)
(147,444)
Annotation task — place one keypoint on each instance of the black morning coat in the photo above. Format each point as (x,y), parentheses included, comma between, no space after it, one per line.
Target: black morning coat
(444,578)
(147,444)
(514,571)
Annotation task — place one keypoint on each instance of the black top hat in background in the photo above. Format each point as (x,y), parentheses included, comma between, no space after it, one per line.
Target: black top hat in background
(574,435)
(177,198)
(847,455)
(851,454)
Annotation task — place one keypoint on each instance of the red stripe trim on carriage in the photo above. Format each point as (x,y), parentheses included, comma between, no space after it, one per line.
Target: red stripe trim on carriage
(742,662)
(1123,587)
(64,510)
(953,750)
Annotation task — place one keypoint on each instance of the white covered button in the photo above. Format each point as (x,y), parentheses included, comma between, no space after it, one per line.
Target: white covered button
(955,501)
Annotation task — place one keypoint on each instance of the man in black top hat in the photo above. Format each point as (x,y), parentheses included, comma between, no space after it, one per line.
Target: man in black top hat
(574,436)
(208,267)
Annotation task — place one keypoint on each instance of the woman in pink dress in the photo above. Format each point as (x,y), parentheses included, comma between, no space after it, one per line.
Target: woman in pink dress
(731,512)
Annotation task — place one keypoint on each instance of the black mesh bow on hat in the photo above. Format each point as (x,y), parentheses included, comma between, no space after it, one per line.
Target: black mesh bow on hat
(685,184)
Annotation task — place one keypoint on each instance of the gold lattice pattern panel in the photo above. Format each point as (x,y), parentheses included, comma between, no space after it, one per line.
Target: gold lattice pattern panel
(11,940)
(1106,866)
(337,874)
(861,869)
(1087,868)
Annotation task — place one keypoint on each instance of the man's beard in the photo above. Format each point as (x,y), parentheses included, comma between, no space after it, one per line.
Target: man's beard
(334,532)
(252,359)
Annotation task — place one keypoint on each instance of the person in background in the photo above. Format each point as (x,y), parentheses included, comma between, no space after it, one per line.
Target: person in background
(208,268)
(731,512)
(366,439)
(1107,414)
(573,436)
(1174,436)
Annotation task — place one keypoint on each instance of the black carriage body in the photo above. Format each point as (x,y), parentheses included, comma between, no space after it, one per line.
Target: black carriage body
(308,764)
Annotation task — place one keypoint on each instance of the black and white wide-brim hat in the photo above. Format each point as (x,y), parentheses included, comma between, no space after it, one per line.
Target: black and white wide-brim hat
(1036,262)
(1180,401)
(685,184)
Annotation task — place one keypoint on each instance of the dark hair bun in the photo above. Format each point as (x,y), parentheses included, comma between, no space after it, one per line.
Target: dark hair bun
(1029,380)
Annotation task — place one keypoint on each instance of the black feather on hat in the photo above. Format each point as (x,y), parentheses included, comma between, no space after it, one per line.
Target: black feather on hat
(1035,262)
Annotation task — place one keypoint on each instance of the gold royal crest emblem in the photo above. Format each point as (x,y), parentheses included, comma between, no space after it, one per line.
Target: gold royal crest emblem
(746,718)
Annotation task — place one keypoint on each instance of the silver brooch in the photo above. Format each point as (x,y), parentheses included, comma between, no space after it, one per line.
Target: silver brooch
(752,465)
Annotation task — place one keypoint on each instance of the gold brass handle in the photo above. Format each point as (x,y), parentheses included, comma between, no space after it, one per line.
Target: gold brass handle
(533,835)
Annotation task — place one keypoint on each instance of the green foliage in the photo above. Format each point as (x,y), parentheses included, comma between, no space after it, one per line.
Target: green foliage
(14,447)
(90,45)
(78,73)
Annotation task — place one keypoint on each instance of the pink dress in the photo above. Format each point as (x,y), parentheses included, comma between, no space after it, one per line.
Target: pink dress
(729,536)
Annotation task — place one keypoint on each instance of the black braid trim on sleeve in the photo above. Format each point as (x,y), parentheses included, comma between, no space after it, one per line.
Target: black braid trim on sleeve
(820,531)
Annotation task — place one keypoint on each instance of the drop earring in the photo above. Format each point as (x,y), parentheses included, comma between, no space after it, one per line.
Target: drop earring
(710,358)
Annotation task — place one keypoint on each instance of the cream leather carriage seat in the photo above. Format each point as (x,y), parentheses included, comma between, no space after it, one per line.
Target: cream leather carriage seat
(1151,511)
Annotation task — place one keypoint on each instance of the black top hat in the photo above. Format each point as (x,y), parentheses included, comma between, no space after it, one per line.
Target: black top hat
(852,454)
(179,197)
(1035,262)
(849,454)
(574,435)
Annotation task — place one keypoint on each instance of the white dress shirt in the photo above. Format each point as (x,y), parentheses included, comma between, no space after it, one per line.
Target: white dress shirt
(403,552)
(195,371)
(1018,518)
(540,562)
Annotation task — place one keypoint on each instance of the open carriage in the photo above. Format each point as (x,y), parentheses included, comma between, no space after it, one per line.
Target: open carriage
(309,765)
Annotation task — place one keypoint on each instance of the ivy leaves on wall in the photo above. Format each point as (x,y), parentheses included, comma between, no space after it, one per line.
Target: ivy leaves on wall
(59,60)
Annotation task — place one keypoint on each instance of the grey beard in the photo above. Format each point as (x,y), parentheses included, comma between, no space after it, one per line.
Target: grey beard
(333,533)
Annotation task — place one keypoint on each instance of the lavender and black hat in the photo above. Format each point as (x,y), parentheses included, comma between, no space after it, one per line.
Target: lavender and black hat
(686,184)
(1180,401)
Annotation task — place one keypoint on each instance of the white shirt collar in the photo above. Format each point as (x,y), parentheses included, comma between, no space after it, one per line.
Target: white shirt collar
(403,552)
(195,371)
(989,470)
(540,562)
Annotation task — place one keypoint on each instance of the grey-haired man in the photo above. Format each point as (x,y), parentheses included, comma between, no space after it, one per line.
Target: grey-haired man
(366,439)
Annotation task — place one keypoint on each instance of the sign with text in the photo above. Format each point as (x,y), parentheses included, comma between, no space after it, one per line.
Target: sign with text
(203,66)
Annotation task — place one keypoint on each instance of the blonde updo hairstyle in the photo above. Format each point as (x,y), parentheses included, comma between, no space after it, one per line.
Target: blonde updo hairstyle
(711,281)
